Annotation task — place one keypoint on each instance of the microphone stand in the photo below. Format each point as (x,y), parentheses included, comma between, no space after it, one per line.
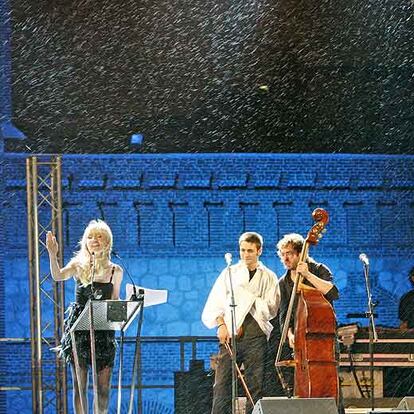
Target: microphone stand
(134,297)
(373,336)
(137,367)
(233,341)
(93,276)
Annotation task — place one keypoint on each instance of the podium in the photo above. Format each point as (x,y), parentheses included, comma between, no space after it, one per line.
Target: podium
(108,315)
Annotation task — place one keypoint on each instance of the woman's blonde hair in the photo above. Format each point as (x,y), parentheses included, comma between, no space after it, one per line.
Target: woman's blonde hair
(84,258)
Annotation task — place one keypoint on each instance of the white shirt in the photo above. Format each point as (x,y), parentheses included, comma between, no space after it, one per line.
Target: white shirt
(259,296)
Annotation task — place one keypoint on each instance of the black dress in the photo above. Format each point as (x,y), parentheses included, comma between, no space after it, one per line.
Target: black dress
(105,344)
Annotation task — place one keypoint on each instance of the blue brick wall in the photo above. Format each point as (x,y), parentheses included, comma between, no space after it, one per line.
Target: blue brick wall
(174,217)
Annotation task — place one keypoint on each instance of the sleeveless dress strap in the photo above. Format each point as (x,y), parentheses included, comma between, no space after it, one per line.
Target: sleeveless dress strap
(112,274)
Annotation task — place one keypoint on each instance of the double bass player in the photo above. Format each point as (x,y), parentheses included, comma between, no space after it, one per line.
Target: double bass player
(318,280)
(315,274)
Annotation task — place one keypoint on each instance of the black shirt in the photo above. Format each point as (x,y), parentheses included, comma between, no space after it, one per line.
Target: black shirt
(406,308)
(250,327)
(286,287)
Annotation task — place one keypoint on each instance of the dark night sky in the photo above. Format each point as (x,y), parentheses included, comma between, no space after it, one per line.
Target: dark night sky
(214,76)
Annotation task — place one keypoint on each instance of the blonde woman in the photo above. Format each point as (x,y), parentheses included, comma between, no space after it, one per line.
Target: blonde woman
(95,276)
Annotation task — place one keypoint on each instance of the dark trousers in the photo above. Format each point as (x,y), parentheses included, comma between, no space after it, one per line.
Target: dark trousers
(252,353)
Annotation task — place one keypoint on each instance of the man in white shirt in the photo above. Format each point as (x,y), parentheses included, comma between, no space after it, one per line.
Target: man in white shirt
(257,297)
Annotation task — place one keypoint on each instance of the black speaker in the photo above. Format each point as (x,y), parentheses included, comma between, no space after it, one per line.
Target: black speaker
(283,405)
(398,382)
(193,390)
(407,403)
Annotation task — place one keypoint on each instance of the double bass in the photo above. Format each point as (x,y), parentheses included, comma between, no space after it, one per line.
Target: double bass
(316,374)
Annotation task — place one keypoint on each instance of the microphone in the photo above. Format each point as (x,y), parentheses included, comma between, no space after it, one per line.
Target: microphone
(364,259)
(228,257)
(134,297)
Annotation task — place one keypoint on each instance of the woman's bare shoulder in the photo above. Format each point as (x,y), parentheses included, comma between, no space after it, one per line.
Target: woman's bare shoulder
(117,268)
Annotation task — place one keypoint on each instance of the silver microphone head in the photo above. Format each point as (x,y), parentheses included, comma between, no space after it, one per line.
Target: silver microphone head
(228,257)
(364,259)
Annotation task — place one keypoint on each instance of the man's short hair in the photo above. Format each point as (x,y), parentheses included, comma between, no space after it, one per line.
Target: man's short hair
(293,239)
(252,237)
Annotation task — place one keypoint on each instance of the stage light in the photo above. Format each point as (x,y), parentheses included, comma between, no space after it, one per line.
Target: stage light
(136,139)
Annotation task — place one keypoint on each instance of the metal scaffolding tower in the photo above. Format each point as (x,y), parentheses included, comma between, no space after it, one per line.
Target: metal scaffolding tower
(47,297)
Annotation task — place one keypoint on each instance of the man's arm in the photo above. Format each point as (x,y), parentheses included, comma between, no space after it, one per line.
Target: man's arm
(267,305)
(322,281)
(215,304)
(214,309)
(404,325)
(222,331)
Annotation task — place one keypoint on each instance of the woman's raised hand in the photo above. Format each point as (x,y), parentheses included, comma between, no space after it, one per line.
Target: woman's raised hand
(51,244)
